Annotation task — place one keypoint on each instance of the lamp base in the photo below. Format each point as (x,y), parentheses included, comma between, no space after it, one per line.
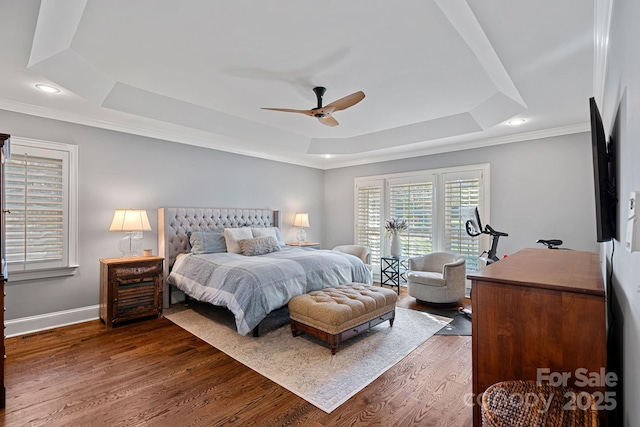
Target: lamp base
(129,245)
(301,236)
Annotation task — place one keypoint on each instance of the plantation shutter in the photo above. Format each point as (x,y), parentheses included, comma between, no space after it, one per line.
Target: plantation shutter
(369,217)
(431,203)
(36,197)
(413,202)
(461,189)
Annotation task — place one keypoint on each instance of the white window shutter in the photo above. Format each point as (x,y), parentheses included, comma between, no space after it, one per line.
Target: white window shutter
(35,197)
(368,217)
(413,202)
(461,190)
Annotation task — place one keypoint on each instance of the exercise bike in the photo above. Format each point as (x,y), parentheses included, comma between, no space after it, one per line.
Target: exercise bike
(473,226)
(474,229)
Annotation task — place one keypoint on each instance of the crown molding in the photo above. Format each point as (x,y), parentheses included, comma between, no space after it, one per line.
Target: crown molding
(443,147)
(205,141)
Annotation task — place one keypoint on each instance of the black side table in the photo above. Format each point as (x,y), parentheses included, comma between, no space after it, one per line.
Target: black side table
(392,271)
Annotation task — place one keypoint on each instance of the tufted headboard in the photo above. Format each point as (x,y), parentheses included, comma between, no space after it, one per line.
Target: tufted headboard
(175,223)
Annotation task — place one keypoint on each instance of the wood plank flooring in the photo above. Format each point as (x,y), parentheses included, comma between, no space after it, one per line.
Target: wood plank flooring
(153,373)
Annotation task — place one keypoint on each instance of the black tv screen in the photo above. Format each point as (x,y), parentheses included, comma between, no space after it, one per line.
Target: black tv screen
(603,179)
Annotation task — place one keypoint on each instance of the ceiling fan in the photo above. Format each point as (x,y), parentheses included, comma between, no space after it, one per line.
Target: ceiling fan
(324,114)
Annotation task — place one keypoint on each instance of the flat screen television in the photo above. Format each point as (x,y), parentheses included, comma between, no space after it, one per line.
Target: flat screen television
(604,177)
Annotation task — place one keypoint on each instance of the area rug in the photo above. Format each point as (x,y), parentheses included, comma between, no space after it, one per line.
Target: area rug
(303,364)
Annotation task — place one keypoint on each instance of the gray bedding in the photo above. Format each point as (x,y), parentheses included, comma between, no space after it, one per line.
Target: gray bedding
(253,286)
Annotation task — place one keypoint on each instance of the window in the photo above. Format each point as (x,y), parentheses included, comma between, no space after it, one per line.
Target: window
(431,202)
(369,216)
(461,190)
(40,197)
(411,198)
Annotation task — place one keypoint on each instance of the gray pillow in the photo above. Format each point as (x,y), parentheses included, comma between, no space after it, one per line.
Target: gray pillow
(269,231)
(207,242)
(258,245)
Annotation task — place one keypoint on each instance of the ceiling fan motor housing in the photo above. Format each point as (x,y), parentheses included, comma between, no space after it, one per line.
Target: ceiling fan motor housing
(319,91)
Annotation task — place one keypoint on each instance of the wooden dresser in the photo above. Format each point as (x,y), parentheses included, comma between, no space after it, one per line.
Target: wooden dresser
(130,288)
(538,308)
(4,155)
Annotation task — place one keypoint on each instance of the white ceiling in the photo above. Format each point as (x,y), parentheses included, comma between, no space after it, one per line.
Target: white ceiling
(439,75)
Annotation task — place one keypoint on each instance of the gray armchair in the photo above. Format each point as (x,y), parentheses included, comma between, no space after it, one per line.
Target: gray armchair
(438,277)
(362,252)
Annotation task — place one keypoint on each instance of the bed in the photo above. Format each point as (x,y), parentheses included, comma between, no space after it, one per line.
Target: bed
(251,285)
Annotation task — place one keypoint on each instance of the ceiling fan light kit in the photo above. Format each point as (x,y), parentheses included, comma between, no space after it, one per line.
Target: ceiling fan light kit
(325,114)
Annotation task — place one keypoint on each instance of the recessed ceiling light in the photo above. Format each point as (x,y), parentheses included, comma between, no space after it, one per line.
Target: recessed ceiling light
(327,156)
(516,122)
(47,88)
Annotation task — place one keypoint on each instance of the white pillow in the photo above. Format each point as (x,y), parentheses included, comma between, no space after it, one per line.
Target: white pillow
(232,235)
(268,231)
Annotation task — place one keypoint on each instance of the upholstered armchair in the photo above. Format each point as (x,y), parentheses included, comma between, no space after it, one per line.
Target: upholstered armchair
(362,252)
(438,277)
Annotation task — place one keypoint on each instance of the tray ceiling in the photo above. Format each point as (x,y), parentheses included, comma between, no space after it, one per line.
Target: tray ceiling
(438,75)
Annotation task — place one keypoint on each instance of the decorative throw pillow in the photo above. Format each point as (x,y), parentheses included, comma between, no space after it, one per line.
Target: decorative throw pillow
(232,235)
(259,245)
(269,231)
(207,241)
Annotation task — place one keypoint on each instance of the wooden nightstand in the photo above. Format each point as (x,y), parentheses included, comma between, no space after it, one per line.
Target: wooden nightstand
(130,288)
(312,245)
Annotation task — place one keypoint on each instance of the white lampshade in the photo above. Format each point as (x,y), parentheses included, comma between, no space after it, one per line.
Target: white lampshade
(301,219)
(130,220)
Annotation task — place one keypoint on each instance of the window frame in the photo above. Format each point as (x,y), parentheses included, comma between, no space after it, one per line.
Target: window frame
(438,214)
(23,272)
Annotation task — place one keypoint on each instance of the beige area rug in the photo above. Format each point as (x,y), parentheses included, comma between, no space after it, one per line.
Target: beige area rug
(303,364)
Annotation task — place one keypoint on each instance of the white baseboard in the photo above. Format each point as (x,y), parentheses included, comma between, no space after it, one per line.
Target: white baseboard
(27,325)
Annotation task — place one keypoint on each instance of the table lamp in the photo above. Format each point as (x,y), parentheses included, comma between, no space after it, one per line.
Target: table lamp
(301,220)
(130,221)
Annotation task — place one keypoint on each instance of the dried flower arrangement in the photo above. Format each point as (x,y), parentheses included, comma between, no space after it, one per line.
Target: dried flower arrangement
(396,226)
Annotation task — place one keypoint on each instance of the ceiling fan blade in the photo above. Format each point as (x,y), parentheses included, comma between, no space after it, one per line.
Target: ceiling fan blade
(328,121)
(289,110)
(346,102)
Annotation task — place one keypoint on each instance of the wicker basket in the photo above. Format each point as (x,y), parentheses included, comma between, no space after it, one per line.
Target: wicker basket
(527,404)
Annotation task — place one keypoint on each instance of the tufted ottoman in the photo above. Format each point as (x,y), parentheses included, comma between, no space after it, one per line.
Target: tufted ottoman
(336,314)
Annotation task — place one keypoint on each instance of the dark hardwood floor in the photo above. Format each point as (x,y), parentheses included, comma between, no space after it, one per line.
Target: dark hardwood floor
(153,373)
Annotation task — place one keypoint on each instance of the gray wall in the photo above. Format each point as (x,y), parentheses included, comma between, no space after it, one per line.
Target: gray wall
(621,113)
(540,189)
(528,180)
(118,170)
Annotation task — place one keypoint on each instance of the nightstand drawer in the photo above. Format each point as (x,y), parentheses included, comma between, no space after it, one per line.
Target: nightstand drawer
(136,297)
(136,270)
